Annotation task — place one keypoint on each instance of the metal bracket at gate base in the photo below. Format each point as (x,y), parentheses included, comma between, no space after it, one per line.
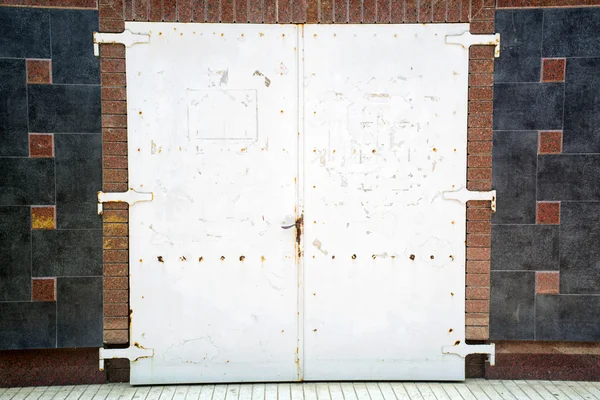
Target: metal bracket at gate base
(130,197)
(131,353)
(126,37)
(467,40)
(464,350)
(463,195)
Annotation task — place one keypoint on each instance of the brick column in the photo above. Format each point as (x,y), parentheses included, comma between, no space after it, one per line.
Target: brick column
(479,175)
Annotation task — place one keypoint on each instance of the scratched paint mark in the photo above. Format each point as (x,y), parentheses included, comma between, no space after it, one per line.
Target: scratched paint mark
(267,80)
(317,243)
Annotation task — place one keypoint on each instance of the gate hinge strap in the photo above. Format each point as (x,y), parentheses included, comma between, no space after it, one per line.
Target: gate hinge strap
(463,195)
(467,40)
(126,37)
(130,197)
(131,353)
(464,350)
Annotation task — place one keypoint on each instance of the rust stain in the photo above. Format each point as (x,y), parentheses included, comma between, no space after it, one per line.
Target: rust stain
(431,256)
(354,256)
(200,259)
(450,330)
(160,259)
(242,258)
(299,226)
(141,260)
(222,258)
(412,257)
(451,294)
(457,343)
(434,150)
(333,257)
(182,258)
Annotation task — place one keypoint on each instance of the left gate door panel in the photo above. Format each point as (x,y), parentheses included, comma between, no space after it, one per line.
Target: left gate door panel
(212,119)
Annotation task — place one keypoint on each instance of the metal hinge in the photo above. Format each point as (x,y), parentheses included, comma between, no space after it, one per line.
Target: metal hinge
(131,353)
(130,197)
(463,350)
(463,195)
(126,37)
(467,40)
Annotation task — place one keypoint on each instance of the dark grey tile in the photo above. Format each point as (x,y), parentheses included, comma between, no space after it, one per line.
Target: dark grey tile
(512,304)
(528,106)
(79,312)
(573,318)
(579,249)
(64,108)
(15,253)
(73,59)
(582,106)
(514,161)
(569,177)
(67,253)
(571,32)
(14,139)
(25,181)
(27,325)
(525,247)
(520,47)
(78,180)
(24,32)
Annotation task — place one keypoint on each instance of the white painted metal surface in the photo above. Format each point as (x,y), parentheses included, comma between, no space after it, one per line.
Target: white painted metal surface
(213,122)
(386,135)
(240,131)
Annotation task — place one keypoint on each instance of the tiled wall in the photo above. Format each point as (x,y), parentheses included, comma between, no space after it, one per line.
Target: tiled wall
(545,282)
(50,171)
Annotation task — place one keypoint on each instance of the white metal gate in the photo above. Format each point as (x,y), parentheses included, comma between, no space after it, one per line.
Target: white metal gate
(303,222)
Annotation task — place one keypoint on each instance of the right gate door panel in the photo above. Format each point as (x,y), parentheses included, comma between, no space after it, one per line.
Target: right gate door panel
(384,253)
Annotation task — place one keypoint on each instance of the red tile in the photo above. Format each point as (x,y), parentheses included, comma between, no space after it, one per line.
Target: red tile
(254,8)
(397,7)
(284,11)
(355,7)
(241,11)
(184,11)
(213,12)
(547,282)
(39,71)
(411,12)
(43,289)
(298,11)
(553,69)
(312,12)
(368,11)
(269,11)
(340,11)
(383,12)
(169,10)
(227,10)
(326,14)
(550,142)
(43,217)
(139,10)
(41,145)
(548,212)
